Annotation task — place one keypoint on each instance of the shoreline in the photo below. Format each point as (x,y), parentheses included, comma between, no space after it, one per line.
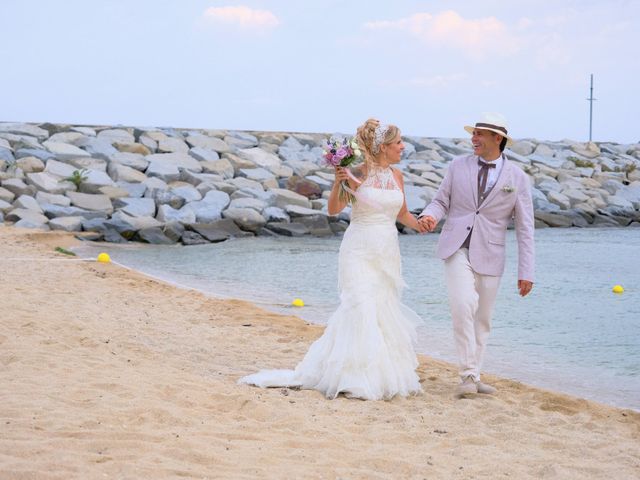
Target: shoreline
(114,373)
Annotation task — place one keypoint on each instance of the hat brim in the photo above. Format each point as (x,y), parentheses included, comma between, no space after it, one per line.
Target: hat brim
(470,129)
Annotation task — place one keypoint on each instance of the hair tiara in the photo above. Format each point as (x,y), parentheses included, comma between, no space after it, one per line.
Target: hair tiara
(378,137)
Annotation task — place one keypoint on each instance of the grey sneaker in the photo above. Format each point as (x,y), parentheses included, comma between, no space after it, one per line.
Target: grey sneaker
(484,388)
(467,387)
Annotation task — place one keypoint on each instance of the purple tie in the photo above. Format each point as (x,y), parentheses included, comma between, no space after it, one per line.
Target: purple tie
(483,175)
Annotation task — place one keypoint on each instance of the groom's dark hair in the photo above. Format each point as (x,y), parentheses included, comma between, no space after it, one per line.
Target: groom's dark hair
(503,144)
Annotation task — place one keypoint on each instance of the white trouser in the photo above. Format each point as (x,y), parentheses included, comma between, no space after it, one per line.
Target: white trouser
(471,300)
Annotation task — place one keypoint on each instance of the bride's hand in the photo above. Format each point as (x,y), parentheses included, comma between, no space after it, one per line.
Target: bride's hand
(341,174)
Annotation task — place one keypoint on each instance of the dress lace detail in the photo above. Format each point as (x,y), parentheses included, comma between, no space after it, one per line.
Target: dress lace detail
(379,177)
(366,350)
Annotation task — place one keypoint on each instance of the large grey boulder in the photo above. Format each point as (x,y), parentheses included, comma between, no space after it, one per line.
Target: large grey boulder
(239,140)
(259,157)
(5,206)
(172,145)
(154,236)
(6,195)
(222,167)
(43,155)
(256,204)
(66,224)
(96,147)
(64,151)
(32,216)
(204,154)
(28,202)
(123,173)
(275,214)
(88,163)
(219,230)
(125,189)
(88,201)
(127,225)
(631,193)
(187,192)
(66,137)
(208,143)
(57,211)
(136,207)
(575,196)
(210,208)
(94,181)
(559,199)
(284,197)
(179,160)
(618,205)
(168,214)
(241,182)
(30,164)
(554,219)
(164,171)
(18,187)
(29,223)
(59,169)
(116,135)
(302,168)
(288,229)
(132,160)
(245,218)
(24,129)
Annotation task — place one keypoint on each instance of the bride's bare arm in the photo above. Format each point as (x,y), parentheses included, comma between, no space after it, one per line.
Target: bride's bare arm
(405,217)
(336,204)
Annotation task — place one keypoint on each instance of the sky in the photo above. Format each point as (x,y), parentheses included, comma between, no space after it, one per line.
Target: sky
(429,67)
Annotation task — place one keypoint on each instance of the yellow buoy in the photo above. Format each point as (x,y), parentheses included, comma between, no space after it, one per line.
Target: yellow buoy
(104,258)
(297,302)
(618,289)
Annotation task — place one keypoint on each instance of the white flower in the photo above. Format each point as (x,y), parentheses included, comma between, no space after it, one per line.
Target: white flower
(508,189)
(357,152)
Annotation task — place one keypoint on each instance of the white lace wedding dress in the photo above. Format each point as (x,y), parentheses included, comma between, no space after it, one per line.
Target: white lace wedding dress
(366,350)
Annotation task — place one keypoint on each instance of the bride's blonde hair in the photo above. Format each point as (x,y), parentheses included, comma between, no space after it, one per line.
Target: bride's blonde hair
(371,135)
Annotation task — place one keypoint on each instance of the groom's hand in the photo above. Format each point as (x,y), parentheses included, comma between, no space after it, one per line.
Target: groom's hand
(525,287)
(428,222)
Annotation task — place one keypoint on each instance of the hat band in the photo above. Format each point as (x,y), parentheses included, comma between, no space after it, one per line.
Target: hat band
(490,125)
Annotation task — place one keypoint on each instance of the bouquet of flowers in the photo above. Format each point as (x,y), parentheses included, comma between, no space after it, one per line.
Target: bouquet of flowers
(342,153)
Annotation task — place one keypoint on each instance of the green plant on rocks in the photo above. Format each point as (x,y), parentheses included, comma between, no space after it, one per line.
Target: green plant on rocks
(582,163)
(77,177)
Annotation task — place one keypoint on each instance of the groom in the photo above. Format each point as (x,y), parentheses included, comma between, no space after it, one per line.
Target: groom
(479,195)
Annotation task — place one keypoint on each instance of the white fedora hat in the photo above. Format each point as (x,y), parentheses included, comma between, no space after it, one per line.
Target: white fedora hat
(494,122)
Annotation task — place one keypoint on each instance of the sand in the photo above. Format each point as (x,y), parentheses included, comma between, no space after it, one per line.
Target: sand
(105,373)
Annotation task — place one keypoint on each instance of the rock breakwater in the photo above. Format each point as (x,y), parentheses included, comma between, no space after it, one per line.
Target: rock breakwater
(192,186)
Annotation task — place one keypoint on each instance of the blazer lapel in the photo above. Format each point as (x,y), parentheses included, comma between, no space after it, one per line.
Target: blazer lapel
(472,172)
(502,178)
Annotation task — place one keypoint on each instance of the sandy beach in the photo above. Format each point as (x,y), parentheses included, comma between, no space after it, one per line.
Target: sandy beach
(106,373)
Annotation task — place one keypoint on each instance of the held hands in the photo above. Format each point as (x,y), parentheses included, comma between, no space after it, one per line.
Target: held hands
(428,223)
(524,286)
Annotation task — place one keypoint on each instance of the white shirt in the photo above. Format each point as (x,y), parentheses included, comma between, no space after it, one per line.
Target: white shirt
(494,173)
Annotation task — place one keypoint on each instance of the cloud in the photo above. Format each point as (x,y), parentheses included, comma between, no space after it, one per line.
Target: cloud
(241,16)
(475,37)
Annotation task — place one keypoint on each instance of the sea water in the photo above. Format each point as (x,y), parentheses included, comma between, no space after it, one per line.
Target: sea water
(571,334)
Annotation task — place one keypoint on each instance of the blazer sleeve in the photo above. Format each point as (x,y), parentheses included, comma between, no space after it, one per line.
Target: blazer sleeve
(525,227)
(439,206)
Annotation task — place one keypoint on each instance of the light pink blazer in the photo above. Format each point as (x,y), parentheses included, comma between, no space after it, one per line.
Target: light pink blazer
(457,198)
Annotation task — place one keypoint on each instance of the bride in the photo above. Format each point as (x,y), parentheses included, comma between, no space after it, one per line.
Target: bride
(366,350)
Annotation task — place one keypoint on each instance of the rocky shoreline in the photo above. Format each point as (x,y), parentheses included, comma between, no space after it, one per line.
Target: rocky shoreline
(193,186)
